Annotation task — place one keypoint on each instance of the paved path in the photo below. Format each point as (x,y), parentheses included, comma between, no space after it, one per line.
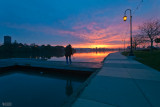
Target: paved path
(122,82)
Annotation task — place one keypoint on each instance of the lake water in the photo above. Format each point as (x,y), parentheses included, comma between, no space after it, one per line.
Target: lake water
(77,57)
(85,57)
(19,89)
(37,89)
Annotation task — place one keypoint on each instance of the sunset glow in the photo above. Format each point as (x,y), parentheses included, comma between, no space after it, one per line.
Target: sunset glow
(94,46)
(82,24)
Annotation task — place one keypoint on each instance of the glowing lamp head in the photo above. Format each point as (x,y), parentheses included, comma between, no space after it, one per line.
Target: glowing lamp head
(125,18)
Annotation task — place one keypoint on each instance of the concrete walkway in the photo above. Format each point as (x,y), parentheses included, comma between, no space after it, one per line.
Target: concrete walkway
(122,82)
(80,66)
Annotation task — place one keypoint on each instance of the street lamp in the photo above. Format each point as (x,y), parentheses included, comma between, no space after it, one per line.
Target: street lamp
(125,19)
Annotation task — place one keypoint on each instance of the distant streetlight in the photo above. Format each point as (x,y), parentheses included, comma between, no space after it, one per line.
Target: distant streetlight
(125,19)
(124,44)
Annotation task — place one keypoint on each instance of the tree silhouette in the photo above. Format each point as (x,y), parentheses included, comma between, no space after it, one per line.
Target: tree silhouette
(137,40)
(150,30)
(19,50)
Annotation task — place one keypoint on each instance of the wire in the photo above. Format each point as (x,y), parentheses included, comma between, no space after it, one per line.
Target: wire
(138,6)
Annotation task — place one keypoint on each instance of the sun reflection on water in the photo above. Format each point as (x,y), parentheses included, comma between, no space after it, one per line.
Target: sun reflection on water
(90,56)
(86,57)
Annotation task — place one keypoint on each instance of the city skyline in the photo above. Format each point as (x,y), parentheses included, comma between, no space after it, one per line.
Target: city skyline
(84,24)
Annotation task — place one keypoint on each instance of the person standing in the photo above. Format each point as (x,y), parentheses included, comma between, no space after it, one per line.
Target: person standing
(68,53)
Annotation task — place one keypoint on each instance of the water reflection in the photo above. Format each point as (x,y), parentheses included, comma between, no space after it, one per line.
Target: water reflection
(86,56)
(43,56)
(80,56)
(69,88)
(37,89)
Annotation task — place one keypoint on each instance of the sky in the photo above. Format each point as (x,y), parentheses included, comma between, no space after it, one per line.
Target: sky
(81,23)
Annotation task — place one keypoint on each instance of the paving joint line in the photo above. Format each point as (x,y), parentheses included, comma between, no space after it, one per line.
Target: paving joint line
(99,102)
(134,80)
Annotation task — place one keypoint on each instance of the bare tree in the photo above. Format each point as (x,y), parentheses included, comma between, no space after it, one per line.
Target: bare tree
(136,41)
(150,30)
(139,40)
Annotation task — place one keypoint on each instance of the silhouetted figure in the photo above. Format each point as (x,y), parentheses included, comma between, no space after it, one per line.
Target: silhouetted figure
(69,88)
(68,53)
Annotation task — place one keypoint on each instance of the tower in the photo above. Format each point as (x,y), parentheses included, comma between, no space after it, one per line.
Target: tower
(7,40)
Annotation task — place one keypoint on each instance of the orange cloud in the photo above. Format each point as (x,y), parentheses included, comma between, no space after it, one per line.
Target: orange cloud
(98,32)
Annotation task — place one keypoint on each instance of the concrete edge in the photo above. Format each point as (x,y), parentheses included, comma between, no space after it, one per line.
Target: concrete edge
(73,71)
(76,94)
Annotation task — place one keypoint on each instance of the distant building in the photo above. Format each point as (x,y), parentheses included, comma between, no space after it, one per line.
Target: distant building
(7,39)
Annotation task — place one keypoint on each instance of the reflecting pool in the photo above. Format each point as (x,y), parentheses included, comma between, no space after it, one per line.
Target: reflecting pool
(36,89)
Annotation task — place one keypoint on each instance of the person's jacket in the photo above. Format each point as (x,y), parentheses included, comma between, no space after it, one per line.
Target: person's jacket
(68,50)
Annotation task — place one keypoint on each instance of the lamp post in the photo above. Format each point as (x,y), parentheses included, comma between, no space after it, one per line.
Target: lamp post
(125,19)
